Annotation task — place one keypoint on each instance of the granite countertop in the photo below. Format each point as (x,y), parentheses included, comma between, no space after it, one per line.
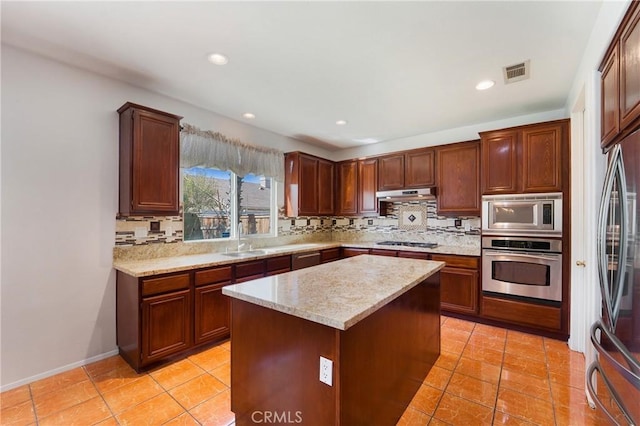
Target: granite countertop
(337,294)
(164,265)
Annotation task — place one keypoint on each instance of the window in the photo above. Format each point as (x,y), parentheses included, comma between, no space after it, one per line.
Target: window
(216,200)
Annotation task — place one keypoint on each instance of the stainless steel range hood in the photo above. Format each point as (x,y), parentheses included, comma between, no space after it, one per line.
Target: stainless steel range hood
(420,194)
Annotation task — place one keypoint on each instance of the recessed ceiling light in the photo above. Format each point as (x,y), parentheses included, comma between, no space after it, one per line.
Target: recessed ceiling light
(248,115)
(485,84)
(217,59)
(341,122)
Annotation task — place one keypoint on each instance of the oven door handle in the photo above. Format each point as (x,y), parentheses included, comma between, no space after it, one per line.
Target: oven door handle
(551,257)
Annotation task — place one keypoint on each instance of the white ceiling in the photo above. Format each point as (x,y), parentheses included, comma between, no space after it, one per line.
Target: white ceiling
(391,69)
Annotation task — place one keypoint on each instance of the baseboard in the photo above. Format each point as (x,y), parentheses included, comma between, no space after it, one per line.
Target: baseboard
(58,370)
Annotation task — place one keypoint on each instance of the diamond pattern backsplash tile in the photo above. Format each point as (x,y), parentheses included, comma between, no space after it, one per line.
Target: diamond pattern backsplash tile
(412,217)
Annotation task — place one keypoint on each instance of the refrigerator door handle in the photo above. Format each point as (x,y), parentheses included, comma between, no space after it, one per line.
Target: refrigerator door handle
(593,368)
(630,373)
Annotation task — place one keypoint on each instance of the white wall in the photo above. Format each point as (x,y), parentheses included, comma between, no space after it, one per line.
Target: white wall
(59,186)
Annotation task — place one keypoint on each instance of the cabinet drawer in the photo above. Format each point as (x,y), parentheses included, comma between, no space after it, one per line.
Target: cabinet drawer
(349,252)
(383,252)
(279,263)
(516,312)
(329,255)
(457,261)
(414,255)
(249,278)
(165,284)
(212,276)
(250,269)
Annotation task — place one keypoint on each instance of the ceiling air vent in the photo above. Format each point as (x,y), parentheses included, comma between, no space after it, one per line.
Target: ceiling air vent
(517,72)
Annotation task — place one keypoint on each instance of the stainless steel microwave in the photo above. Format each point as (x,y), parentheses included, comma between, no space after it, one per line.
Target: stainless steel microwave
(522,214)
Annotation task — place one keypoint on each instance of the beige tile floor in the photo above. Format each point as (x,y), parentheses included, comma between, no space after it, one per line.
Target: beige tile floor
(484,376)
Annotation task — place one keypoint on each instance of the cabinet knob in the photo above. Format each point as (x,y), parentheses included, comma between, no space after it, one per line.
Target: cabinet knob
(580,263)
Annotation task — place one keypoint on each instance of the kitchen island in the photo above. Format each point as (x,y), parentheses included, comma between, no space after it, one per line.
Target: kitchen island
(377,319)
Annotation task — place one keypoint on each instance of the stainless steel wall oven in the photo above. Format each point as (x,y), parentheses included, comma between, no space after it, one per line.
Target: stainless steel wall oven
(521,266)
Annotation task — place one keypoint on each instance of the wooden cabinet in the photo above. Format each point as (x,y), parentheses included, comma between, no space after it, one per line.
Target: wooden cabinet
(330,255)
(251,270)
(391,172)
(353,251)
(521,313)
(458,168)
(357,186)
(149,161)
(367,186)
(347,194)
(212,308)
(382,252)
(499,162)
(309,183)
(610,88)
(278,265)
(459,283)
(525,159)
(166,325)
(414,255)
(620,80)
(409,169)
(326,185)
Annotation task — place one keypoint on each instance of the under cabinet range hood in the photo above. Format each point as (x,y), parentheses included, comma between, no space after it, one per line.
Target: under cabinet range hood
(420,194)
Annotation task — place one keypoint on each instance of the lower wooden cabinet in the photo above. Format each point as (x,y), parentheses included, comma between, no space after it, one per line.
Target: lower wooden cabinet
(330,255)
(459,283)
(166,325)
(352,251)
(521,313)
(212,312)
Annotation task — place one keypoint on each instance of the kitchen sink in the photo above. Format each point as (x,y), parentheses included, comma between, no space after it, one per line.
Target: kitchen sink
(244,253)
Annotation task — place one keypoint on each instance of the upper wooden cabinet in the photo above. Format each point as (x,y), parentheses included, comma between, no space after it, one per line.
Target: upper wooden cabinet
(410,169)
(149,161)
(524,159)
(357,186)
(620,80)
(347,194)
(309,183)
(458,182)
(367,186)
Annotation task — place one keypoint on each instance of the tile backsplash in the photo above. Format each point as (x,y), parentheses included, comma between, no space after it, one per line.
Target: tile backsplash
(409,221)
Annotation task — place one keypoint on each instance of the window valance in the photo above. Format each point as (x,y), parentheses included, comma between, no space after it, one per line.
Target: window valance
(205,148)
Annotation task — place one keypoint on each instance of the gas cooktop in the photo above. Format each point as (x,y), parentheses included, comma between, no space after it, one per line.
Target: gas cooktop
(408,244)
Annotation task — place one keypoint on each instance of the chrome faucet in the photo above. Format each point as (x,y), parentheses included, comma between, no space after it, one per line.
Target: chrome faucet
(240,236)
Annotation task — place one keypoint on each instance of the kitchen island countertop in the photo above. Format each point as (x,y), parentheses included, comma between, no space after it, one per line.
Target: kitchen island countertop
(337,294)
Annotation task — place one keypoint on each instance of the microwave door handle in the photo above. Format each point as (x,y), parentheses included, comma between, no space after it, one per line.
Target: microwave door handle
(552,257)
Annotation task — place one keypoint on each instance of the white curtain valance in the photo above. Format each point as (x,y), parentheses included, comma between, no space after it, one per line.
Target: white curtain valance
(200,148)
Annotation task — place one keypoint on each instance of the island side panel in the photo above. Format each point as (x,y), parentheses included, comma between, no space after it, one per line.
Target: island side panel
(385,357)
(275,361)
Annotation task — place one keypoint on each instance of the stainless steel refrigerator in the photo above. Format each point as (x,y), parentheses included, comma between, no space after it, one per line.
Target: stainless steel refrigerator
(613,380)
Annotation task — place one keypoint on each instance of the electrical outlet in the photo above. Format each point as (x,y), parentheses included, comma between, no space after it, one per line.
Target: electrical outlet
(458,223)
(326,371)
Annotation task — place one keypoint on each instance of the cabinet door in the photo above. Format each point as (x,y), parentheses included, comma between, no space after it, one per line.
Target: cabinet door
(542,158)
(325,187)
(499,162)
(212,316)
(166,325)
(419,169)
(367,186)
(391,172)
(459,179)
(630,71)
(308,186)
(347,188)
(610,108)
(459,290)
(155,163)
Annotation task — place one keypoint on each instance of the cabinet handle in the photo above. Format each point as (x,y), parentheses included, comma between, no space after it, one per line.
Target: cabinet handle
(581,263)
